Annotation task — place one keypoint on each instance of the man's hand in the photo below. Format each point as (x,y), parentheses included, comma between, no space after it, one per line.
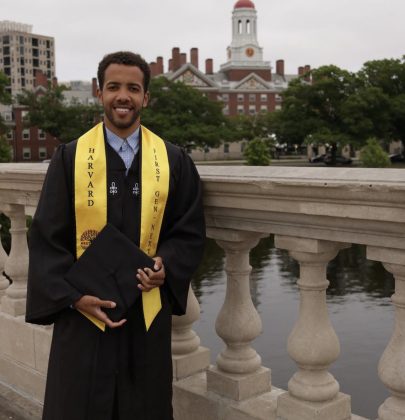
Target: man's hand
(149,279)
(92,305)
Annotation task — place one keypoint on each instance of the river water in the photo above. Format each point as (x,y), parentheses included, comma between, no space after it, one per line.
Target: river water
(358,301)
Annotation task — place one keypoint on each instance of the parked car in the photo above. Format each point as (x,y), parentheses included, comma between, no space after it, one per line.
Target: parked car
(317,159)
(397,158)
(327,160)
(339,160)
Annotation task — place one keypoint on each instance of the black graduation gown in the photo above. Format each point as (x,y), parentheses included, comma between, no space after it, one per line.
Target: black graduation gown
(90,371)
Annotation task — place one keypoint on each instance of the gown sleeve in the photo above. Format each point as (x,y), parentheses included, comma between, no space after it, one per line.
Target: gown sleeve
(51,245)
(182,245)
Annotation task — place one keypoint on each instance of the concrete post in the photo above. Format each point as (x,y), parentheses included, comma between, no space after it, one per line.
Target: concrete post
(238,374)
(16,267)
(391,368)
(313,343)
(4,283)
(187,354)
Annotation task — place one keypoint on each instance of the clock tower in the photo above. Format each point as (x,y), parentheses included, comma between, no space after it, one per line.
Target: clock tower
(244,51)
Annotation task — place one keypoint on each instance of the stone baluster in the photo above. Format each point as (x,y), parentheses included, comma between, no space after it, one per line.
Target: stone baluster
(16,266)
(391,368)
(238,374)
(313,343)
(4,283)
(187,354)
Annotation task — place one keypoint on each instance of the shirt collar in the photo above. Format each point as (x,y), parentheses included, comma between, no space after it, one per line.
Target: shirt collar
(116,141)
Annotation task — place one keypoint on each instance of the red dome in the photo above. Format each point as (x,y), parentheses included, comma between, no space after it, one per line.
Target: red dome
(244,3)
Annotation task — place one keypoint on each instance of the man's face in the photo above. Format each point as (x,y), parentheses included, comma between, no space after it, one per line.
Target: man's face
(123,98)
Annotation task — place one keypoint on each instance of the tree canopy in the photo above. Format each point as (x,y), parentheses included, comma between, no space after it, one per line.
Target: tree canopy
(184,116)
(345,107)
(5,99)
(49,112)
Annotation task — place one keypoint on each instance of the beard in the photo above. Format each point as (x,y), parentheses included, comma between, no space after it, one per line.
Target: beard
(119,122)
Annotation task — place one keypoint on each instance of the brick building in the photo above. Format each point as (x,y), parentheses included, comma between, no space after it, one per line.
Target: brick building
(245,83)
(23,54)
(29,61)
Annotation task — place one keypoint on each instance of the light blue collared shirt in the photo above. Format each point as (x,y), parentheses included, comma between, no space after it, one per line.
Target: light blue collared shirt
(126,148)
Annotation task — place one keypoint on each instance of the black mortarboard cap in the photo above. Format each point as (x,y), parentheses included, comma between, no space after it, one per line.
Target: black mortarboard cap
(107,270)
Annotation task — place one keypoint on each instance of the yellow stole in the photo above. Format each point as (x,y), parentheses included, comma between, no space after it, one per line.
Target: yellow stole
(90,195)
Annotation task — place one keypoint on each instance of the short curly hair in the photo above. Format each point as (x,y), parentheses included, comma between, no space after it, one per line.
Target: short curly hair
(127,58)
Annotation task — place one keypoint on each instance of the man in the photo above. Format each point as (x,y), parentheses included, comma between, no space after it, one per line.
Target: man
(120,174)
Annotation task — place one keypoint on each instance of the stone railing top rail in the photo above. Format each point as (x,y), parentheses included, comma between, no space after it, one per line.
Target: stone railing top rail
(342,204)
(351,205)
(298,175)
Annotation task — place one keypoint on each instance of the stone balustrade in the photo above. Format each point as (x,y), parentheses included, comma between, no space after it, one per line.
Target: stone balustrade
(313,213)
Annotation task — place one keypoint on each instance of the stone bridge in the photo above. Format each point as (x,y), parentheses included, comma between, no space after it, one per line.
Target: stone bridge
(313,213)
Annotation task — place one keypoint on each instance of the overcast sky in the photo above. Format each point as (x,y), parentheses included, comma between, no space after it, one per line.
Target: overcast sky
(316,32)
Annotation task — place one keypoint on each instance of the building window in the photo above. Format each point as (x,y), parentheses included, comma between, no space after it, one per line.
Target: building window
(248,26)
(278,107)
(240,109)
(239,27)
(9,135)
(226,148)
(252,109)
(26,134)
(263,97)
(225,97)
(240,97)
(6,39)
(225,110)
(42,153)
(8,116)
(278,97)
(41,134)
(26,153)
(263,108)
(252,97)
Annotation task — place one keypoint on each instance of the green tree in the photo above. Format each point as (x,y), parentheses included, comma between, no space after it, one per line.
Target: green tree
(373,155)
(345,108)
(315,108)
(258,152)
(182,115)
(49,112)
(248,127)
(5,99)
(388,75)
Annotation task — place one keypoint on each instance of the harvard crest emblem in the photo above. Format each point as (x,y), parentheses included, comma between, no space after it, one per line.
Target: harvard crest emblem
(87,238)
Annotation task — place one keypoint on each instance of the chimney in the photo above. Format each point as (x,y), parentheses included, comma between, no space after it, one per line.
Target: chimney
(280,67)
(176,58)
(40,79)
(209,66)
(194,57)
(94,87)
(153,69)
(159,65)
(300,71)
(183,58)
(170,64)
(307,69)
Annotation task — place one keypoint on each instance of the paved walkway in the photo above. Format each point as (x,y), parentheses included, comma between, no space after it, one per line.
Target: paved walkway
(13,406)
